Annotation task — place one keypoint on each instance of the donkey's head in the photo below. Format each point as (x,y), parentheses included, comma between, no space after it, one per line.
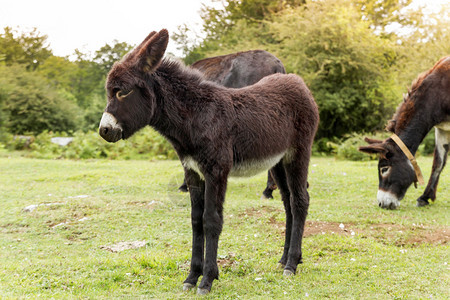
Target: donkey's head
(395,171)
(131,97)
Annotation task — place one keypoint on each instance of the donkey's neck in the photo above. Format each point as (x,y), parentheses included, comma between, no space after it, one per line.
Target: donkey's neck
(414,134)
(174,86)
(417,128)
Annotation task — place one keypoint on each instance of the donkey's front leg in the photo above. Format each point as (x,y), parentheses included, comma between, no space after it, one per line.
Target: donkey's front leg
(212,227)
(440,158)
(197,193)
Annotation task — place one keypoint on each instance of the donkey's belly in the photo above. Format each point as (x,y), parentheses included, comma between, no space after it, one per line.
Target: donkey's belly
(252,167)
(245,168)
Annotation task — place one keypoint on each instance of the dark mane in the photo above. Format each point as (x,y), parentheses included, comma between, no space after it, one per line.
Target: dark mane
(405,110)
(175,67)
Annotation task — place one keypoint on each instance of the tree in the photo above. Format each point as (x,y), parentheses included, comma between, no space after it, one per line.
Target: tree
(28,48)
(107,55)
(220,23)
(383,13)
(346,65)
(37,107)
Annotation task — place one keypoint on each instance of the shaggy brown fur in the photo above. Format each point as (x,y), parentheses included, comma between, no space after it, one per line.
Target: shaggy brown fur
(405,110)
(218,132)
(238,70)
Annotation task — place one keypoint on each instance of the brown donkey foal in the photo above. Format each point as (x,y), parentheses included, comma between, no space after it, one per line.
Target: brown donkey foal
(217,132)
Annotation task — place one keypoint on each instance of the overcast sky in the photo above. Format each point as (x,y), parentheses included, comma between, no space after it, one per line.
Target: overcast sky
(90,24)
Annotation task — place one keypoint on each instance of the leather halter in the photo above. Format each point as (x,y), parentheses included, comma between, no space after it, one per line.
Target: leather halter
(411,158)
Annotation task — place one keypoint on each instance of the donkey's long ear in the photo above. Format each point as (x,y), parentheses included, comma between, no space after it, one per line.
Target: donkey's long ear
(152,51)
(372,141)
(138,48)
(374,149)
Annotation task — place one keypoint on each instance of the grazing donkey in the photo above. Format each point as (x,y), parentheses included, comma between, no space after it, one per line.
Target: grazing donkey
(238,70)
(426,105)
(217,132)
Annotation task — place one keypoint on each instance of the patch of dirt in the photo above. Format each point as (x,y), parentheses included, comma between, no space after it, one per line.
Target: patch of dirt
(121,246)
(14,228)
(227,261)
(260,212)
(146,204)
(318,227)
(413,235)
(390,234)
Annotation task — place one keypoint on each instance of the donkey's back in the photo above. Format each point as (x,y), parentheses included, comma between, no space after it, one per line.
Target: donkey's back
(239,69)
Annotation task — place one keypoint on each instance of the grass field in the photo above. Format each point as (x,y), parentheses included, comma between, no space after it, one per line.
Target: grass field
(59,248)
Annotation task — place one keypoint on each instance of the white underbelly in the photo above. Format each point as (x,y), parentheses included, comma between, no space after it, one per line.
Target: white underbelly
(254,167)
(442,135)
(245,169)
(444,126)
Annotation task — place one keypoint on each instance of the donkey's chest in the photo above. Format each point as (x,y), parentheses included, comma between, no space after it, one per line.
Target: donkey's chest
(246,168)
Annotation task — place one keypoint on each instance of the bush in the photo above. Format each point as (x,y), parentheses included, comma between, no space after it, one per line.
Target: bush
(146,144)
(348,148)
(37,107)
(427,145)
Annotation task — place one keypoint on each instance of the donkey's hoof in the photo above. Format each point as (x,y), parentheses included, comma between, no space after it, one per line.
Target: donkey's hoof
(202,291)
(281,266)
(183,189)
(422,202)
(188,286)
(288,273)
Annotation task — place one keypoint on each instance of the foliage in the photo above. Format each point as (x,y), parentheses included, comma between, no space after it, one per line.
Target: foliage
(38,106)
(384,13)
(59,94)
(356,56)
(423,46)
(146,144)
(344,63)
(107,55)
(348,147)
(428,143)
(28,48)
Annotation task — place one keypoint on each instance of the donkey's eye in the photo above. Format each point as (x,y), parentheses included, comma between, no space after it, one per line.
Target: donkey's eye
(384,171)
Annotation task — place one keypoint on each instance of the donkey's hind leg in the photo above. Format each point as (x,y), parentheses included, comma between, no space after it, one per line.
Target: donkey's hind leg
(183,187)
(270,187)
(296,175)
(279,175)
(197,193)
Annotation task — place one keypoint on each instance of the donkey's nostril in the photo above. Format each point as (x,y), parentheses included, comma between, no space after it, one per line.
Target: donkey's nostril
(379,204)
(104,130)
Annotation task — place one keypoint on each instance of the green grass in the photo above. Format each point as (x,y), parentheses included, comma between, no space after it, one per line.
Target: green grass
(401,254)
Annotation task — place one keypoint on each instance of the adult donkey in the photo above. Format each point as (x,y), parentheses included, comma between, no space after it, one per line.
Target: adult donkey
(217,132)
(426,105)
(238,70)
